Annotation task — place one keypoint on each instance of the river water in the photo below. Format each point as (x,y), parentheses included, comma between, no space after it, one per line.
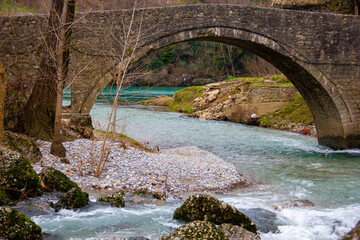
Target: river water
(284,166)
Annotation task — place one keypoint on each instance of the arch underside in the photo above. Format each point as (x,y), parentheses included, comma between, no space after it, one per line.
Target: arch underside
(327,112)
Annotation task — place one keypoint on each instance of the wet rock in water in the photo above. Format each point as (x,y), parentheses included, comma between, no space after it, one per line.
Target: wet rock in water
(56,181)
(196,230)
(234,232)
(354,234)
(17,175)
(266,221)
(23,145)
(75,198)
(207,208)
(137,238)
(4,198)
(295,204)
(15,225)
(116,199)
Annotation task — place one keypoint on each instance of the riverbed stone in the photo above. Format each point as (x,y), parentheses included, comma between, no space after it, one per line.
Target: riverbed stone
(73,199)
(54,180)
(208,208)
(17,175)
(234,232)
(15,225)
(196,230)
(116,199)
(354,234)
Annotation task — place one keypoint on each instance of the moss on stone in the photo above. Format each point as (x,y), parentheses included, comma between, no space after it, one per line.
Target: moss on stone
(184,99)
(4,198)
(196,230)
(75,198)
(55,180)
(207,208)
(18,177)
(116,200)
(15,225)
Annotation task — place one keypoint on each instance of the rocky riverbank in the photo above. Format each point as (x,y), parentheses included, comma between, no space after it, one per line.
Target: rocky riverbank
(173,172)
(267,102)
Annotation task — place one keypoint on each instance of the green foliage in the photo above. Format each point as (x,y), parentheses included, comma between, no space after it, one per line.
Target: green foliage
(294,112)
(184,99)
(156,64)
(10,7)
(167,54)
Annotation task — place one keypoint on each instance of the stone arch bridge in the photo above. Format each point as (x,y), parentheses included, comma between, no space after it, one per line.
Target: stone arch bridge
(318,52)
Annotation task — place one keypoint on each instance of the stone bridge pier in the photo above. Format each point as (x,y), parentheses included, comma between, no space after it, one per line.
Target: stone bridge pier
(318,52)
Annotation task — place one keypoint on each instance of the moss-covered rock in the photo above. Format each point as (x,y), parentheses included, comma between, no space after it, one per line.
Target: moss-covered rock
(75,198)
(196,230)
(15,225)
(4,198)
(354,234)
(17,176)
(207,208)
(23,145)
(234,232)
(56,181)
(116,199)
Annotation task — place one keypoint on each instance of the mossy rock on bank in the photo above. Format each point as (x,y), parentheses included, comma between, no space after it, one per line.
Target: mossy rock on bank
(116,199)
(73,199)
(354,234)
(56,181)
(208,208)
(184,99)
(17,176)
(196,230)
(15,225)
(23,145)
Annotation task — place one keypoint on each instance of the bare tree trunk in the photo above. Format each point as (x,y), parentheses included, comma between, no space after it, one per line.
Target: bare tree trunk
(39,112)
(56,147)
(2,100)
(357,7)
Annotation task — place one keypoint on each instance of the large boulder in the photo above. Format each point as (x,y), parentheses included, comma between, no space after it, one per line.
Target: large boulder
(196,230)
(207,208)
(17,175)
(15,225)
(73,199)
(354,234)
(116,199)
(56,181)
(234,232)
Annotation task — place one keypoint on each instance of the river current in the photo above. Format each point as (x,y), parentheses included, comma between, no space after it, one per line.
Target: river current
(283,166)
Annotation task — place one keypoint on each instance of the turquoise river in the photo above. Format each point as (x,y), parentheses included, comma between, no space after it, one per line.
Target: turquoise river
(283,166)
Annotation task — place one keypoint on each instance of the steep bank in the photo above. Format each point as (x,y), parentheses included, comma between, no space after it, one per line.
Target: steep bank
(271,102)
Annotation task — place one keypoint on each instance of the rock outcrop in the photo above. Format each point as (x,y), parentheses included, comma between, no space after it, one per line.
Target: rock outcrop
(241,101)
(15,225)
(207,208)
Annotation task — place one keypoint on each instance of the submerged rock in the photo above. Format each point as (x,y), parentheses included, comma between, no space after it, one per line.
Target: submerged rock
(15,225)
(75,198)
(56,181)
(116,200)
(207,208)
(17,175)
(354,234)
(196,230)
(234,232)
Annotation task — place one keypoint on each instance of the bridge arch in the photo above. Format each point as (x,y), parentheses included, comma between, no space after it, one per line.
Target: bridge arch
(318,92)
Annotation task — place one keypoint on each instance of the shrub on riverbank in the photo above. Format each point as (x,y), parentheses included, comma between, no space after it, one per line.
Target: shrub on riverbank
(184,99)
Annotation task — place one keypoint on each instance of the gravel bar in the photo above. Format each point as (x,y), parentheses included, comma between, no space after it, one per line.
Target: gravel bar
(172,172)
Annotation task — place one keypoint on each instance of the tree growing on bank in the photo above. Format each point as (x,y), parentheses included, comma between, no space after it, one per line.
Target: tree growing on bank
(40,111)
(2,100)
